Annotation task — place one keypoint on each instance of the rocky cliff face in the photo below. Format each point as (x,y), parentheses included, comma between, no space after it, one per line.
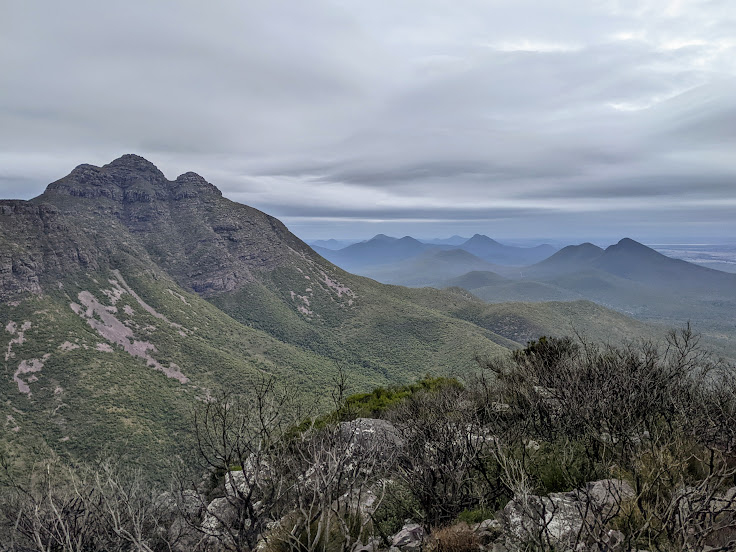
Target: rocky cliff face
(38,243)
(206,242)
(129,179)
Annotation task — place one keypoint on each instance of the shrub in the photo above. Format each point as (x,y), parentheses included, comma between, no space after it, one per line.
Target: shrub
(398,505)
(475,515)
(456,538)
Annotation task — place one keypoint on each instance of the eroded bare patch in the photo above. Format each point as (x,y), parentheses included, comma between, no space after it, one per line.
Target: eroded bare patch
(178,295)
(173,371)
(19,339)
(302,308)
(113,330)
(115,293)
(336,286)
(68,346)
(10,421)
(28,367)
(104,348)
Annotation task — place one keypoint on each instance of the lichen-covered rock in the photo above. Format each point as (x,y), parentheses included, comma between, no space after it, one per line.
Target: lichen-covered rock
(372,434)
(566,520)
(409,538)
(220,513)
(253,472)
(488,530)
(605,496)
(556,520)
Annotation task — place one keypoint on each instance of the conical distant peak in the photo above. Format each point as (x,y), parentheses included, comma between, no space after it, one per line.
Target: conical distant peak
(381,237)
(627,244)
(586,246)
(482,238)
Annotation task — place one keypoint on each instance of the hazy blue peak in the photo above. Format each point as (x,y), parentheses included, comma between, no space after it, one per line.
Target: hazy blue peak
(381,237)
(481,239)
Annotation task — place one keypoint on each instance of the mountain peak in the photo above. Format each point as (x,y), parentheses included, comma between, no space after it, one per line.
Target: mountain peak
(193,181)
(631,249)
(479,239)
(191,177)
(629,245)
(128,178)
(586,246)
(572,256)
(132,162)
(381,237)
(628,242)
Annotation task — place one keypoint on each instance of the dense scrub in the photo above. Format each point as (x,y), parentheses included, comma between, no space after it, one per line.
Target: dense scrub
(568,445)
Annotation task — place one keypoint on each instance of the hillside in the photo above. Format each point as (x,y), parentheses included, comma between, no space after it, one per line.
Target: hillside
(125,297)
(628,277)
(494,288)
(429,268)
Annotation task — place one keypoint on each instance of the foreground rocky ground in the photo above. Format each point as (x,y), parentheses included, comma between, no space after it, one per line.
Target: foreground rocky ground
(563,446)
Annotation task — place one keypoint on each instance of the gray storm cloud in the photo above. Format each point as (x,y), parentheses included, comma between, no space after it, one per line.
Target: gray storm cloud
(509,118)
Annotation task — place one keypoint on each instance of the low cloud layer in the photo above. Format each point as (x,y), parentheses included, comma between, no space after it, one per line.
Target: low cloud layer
(421,117)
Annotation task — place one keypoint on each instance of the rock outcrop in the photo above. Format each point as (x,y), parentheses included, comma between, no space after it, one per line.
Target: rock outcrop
(410,537)
(206,242)
(562,520)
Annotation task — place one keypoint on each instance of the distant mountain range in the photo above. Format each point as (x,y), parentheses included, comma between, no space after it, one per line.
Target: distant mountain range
(380,253)
(627,276)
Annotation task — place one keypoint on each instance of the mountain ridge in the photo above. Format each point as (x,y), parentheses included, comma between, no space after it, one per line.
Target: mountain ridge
(126,297)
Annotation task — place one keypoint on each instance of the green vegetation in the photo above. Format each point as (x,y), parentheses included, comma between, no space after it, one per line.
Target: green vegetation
(379,401)
(558,428)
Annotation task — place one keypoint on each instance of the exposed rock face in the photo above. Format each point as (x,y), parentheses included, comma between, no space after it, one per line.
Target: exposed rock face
(410,537)
(372,434)
(605,496)
(555,520)
(562,519)
(221,513)
(37,240)
(207,243)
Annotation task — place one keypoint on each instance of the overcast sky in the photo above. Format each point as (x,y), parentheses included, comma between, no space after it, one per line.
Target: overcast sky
(512,118)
